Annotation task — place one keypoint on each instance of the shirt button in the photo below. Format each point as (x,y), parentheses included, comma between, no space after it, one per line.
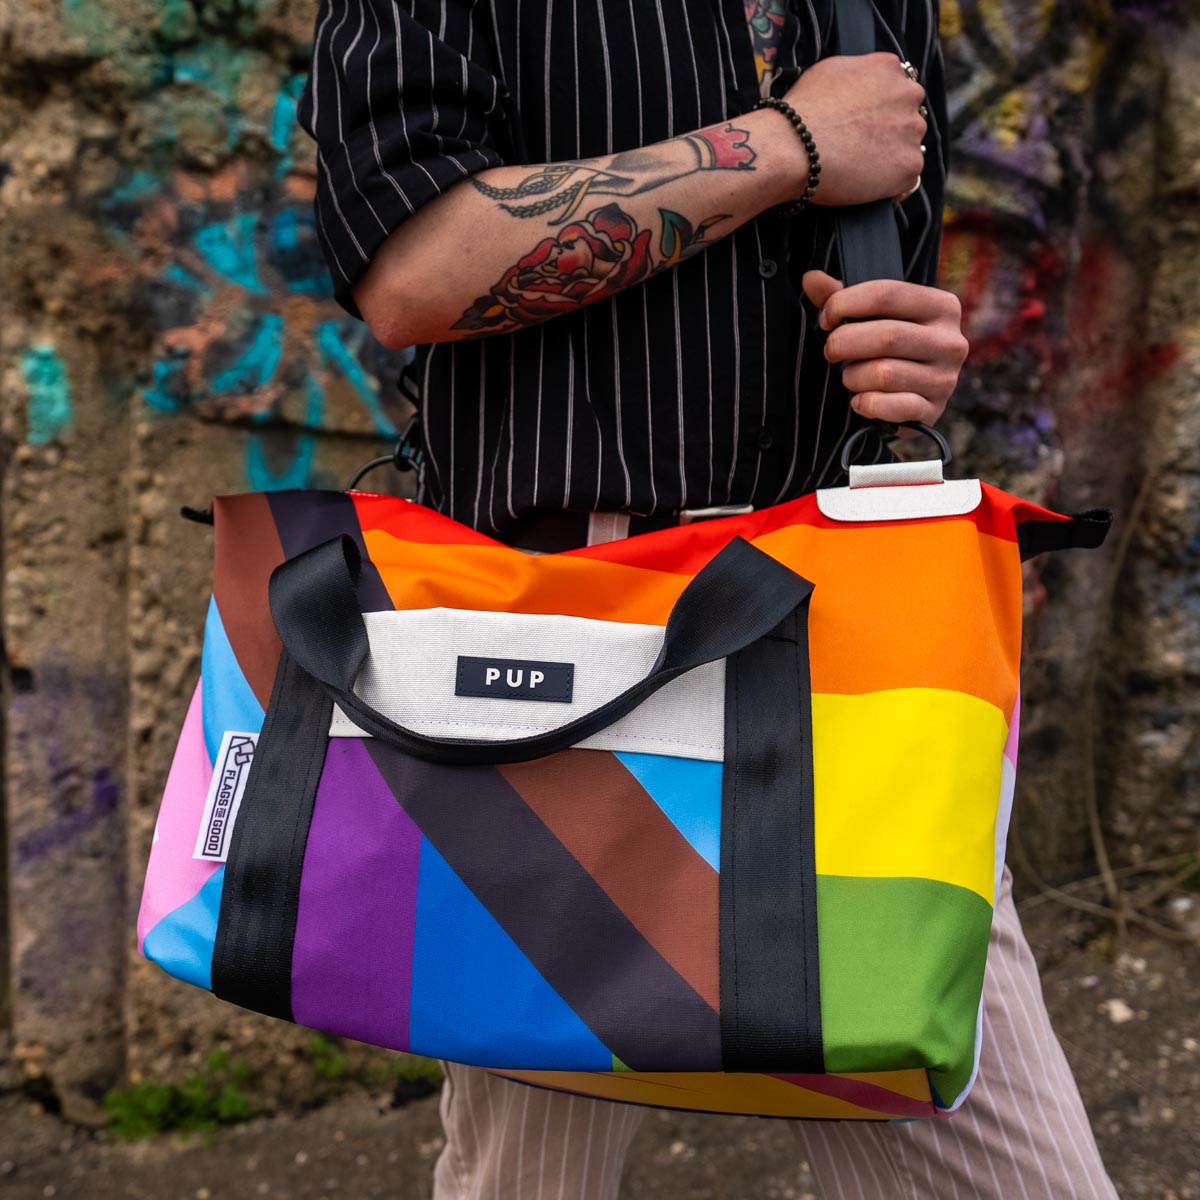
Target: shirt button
(768,267)
(766,439)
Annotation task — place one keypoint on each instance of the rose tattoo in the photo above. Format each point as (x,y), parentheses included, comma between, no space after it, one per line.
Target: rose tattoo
(589,259)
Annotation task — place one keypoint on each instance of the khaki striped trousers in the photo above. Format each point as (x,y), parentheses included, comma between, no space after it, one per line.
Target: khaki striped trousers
(1021,1135)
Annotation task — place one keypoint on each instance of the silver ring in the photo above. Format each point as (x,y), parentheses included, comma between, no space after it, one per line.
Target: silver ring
(910,70)
(924,112)
(922,147)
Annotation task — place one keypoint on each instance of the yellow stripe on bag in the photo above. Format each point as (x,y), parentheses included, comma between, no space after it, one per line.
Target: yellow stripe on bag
(824,1097)
(907,785)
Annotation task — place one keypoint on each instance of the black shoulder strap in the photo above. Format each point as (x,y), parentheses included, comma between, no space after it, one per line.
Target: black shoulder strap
(867,233)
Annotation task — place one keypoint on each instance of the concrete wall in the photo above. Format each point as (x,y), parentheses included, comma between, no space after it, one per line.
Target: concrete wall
(167,333)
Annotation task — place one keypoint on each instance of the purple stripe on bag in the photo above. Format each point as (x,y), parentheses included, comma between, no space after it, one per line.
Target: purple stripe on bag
(352,962)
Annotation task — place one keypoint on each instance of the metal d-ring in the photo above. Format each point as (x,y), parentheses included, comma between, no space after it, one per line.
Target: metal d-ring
(889,430)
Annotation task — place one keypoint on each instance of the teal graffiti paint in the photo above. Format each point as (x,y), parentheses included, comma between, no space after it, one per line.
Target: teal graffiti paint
(209,78)
(283,121)
(51,414)
(285,235)
(284,117)
(257,363)
(216,67)
(178,19)
(169,388)
(290,250)
(298,472)
(176,275)
(329,341)
(138,185)
(228,247)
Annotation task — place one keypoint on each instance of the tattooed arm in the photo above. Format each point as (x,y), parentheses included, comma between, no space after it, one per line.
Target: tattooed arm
(514,246)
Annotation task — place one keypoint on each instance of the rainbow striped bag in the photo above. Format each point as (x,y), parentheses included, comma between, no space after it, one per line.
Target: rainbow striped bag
(710,818)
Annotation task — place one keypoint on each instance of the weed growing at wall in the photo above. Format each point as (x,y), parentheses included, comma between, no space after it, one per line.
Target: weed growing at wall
(410,1074)
(213,1097)
(328,1061)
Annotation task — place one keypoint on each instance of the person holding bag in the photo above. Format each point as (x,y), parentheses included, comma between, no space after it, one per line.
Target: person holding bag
(605,227)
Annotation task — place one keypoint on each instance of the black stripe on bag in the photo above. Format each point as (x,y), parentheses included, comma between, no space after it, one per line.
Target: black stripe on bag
(306,519)
(256,929)
(1084,531)
(770,978)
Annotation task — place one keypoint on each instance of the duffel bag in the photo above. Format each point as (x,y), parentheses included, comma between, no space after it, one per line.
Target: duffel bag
(710,818)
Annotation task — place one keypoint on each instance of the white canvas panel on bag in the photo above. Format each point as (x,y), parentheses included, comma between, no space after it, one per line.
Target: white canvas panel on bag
(412,672)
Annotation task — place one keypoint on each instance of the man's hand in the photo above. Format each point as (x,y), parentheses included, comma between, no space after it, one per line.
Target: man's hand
(903,344)
(864,115)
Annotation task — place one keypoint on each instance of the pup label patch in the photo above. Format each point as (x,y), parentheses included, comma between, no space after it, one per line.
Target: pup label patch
(225,795)
(515,679)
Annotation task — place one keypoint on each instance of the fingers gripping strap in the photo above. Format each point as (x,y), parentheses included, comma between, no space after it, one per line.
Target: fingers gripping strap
(739,597)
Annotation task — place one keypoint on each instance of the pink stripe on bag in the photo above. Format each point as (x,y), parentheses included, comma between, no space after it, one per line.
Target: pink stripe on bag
(866,1095)
(1014,732)
(173,877)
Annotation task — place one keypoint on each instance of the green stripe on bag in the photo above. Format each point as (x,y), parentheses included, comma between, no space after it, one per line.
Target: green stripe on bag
(901,975)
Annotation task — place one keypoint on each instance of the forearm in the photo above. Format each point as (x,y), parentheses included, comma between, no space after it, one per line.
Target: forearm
(515,246)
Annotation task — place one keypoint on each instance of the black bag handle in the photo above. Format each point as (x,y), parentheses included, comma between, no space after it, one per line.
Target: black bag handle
(741,595)
(867,233)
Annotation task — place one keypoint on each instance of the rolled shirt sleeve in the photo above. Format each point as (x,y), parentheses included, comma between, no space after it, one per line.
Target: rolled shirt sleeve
(404,100)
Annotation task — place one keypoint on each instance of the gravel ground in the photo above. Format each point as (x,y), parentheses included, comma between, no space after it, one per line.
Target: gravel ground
(1130,1025)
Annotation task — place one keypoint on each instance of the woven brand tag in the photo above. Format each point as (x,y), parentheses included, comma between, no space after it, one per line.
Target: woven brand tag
(514,679)
(230,773)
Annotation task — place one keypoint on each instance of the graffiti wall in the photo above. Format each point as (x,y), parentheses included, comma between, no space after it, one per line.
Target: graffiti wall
(1062,236)
(169,333)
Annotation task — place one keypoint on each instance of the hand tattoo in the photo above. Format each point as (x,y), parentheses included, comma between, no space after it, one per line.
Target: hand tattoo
(561,188)
(590,259)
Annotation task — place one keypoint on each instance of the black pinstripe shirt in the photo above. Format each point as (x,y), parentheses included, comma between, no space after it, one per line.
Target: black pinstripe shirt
(705,384)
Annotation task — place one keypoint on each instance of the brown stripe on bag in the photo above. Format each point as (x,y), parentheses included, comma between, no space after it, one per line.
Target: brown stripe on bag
(248,549)
(562,920)
(608,821)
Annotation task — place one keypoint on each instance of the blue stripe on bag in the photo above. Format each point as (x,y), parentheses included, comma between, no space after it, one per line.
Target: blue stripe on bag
(688,790)
(226,699)
(182,942)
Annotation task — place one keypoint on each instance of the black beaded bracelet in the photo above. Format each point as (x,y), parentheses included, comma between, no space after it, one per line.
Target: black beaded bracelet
(814,159)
